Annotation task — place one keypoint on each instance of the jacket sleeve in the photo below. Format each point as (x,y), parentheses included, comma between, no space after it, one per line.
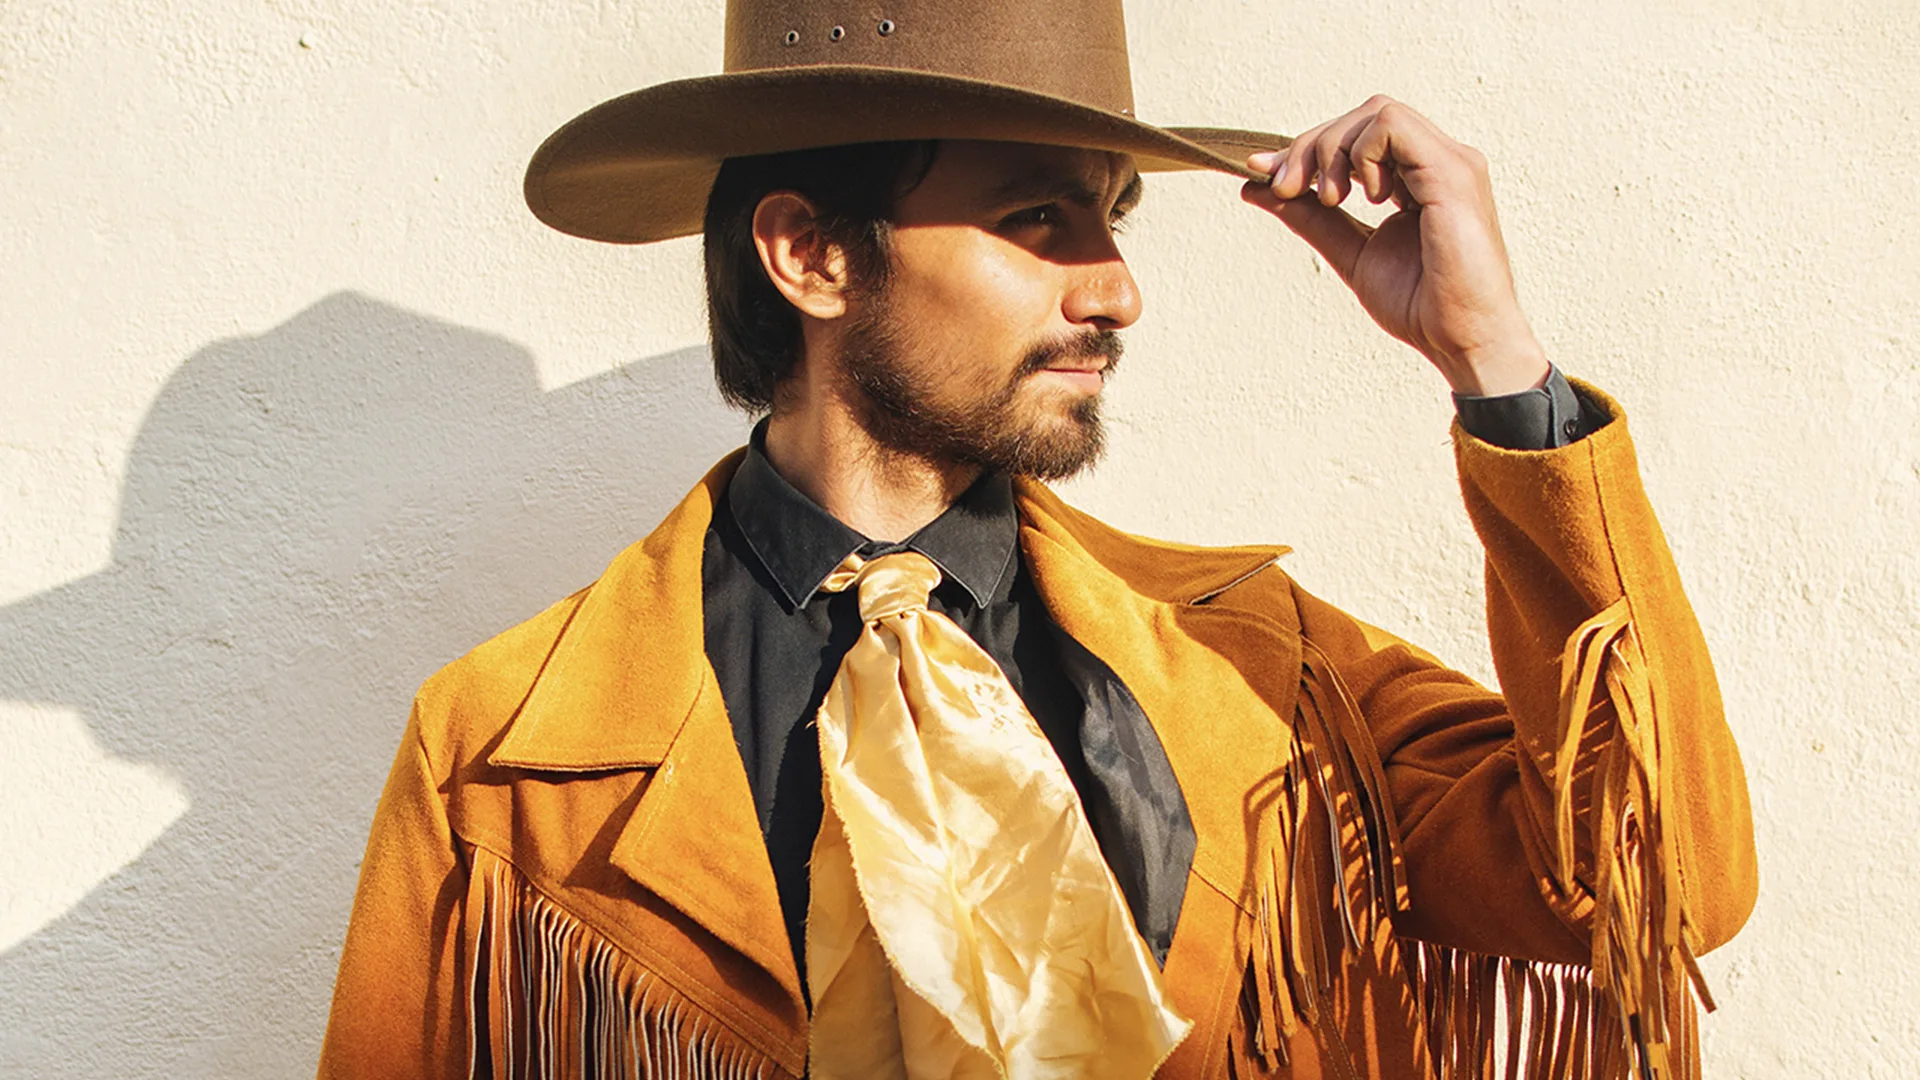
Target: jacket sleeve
(1596,811)
(397,1011)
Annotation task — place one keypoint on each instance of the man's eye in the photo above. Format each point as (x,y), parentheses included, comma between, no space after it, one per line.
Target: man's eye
(1032,216)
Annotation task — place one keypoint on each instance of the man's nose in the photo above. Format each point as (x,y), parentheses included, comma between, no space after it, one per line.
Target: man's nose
(1103,295)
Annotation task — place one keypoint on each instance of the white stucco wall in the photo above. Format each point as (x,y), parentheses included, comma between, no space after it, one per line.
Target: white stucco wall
(297,403)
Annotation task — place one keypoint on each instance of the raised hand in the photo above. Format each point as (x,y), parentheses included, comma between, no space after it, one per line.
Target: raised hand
(1435,273)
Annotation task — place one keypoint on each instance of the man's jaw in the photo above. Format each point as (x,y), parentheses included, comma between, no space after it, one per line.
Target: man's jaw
(1025,428)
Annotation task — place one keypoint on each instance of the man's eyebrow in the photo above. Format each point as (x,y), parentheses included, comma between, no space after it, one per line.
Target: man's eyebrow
(1031,187)
(1068,189)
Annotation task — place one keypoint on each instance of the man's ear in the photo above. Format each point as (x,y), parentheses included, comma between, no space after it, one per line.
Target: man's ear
(807,268)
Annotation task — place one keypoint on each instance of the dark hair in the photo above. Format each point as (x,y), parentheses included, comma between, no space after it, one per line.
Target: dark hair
(755,331)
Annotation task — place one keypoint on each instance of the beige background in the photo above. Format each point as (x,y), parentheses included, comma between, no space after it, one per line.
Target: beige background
(297,403)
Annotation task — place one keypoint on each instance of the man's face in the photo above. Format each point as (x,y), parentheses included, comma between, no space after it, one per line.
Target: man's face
(999,323)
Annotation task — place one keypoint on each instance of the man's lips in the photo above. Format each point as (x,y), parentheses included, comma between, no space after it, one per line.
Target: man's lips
(1082,378)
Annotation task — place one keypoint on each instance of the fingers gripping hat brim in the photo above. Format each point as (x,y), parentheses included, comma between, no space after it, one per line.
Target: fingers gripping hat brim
(637,168)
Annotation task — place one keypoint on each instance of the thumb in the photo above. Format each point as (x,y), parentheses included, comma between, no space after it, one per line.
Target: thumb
(1329,230)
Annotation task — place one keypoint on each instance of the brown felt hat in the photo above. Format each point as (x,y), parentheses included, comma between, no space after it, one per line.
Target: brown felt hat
(808,73)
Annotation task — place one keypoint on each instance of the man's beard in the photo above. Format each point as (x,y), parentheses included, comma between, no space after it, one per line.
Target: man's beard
(902,414)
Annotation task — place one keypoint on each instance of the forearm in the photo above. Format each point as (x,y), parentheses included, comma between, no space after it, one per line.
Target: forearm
(1570,535)
(1474,774)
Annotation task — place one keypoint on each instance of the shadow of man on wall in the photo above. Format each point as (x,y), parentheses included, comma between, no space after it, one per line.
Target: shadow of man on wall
(313,521)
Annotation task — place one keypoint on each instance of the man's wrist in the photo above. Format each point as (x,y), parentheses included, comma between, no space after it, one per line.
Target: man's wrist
(1512,367)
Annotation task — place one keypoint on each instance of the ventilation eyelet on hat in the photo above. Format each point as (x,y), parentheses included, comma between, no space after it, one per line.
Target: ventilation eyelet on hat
(792,38)
(836,33)
(885,27)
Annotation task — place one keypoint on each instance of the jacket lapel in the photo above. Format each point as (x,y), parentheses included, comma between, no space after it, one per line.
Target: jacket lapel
(1200,673)
(627,686)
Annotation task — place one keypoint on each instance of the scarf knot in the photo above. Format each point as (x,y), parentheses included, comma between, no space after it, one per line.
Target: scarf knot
(890,585)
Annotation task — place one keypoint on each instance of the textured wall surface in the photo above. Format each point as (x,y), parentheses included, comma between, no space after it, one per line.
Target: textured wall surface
(297,403)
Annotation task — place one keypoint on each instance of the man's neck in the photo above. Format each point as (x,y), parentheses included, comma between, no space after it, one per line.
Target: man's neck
(823,450)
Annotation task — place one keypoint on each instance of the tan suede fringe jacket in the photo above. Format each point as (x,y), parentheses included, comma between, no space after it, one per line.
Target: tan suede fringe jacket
(1399,873)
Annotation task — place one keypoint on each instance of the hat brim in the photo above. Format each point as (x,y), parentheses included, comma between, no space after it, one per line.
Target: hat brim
(637,168)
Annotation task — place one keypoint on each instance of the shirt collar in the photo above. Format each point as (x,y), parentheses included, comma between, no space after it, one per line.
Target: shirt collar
(799,543)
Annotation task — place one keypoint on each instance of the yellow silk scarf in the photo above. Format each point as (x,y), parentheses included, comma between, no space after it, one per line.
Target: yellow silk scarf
(963,922)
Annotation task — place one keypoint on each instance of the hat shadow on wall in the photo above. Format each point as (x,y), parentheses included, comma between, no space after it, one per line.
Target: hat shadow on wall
(313,521)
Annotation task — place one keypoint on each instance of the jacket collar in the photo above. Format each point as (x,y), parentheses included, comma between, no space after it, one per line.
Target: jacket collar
(627,669)
(628,685)
(1156,570)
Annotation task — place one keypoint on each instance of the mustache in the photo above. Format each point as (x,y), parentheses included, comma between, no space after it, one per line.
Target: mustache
(1088,345)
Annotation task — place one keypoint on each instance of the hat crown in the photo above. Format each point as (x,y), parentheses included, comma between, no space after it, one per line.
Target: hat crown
(1075,49)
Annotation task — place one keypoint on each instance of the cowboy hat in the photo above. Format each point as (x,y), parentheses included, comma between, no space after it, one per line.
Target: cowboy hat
(801,74)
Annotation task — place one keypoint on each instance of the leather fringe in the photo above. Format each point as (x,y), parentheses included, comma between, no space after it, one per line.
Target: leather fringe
(1642,944)
(1490,1017)
(1333,791)
(549,997)
(1486,1017)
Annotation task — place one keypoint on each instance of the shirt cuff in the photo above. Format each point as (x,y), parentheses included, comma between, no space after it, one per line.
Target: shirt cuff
(1545,418)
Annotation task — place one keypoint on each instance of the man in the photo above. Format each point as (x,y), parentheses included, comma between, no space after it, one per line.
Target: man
(876,759)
